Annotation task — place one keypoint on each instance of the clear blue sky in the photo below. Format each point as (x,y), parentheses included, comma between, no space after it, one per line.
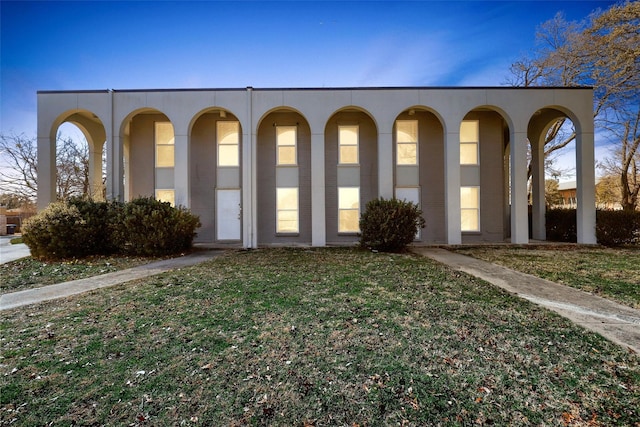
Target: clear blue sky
(52,45)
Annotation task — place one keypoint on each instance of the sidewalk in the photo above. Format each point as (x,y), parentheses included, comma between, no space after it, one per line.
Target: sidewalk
(9,252)
(616,322)
(61,290)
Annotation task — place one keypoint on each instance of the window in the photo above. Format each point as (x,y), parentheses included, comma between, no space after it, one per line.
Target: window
(166,196)
(470,208)
(286,137)
(469,142)
(348,209)
(407,142)
(228,143)
(165,143)
(348,145)
(287,210)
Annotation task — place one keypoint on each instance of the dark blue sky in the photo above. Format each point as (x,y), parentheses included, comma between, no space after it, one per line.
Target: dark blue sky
(73,45)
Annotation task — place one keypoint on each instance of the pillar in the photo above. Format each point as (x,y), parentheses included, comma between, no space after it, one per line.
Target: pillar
(519,203)
(452,185)
(318,220)
(585,189)
(538,187)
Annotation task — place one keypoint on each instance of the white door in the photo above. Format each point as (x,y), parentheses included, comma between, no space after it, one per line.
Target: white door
(228,214)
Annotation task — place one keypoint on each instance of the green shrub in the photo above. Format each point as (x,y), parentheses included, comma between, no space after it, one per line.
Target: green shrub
(101,219)
(56,232)
(561,225)
(80,228)
(614,228)
(389,224)
(149,227)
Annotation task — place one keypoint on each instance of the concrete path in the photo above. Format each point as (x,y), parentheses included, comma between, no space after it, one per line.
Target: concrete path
(618,323)
(9,252)
(61,290)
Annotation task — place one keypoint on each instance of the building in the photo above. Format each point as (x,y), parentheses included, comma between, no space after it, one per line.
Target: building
(297,166)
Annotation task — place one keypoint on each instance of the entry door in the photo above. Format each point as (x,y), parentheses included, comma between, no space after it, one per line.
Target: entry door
(228,214)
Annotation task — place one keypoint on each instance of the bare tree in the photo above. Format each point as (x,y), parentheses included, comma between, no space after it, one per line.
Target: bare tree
(18,172)
(604,52)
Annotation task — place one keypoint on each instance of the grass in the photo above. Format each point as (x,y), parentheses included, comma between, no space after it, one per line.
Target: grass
(610,273)
(309,337)
(27,273)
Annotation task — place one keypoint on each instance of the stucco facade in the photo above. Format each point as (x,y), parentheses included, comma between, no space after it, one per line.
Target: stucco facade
(296,166)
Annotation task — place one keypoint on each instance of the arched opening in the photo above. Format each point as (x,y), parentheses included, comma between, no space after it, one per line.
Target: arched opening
(551,172)
(284,178)
(484,176)
(418,159)
(148,141)
(215,140)
(351,172)
(79,137)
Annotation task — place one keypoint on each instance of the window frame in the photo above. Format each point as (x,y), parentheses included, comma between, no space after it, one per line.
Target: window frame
(220,144)
(296,210)
(415,143)
(475,209)
(158,145)
(294,145)
(340,231)
(475,143)
(342,144)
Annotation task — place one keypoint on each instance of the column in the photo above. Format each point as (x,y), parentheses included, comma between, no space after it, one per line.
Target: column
(46,171)
(538,187)
(385,165)
(452,184)
(519,208)
(318,209)
(181,167)
(585,189)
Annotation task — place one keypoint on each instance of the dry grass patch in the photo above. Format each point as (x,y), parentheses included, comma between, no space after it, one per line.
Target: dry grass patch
(608,272)
(312,337)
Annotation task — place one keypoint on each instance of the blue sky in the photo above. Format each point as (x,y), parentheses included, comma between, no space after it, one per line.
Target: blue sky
(73,45)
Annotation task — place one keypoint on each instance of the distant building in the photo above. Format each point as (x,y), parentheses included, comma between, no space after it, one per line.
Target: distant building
(297,166)
(569,190)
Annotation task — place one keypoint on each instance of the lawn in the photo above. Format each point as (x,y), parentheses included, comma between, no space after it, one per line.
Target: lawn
(27,273)
(610,273)
(309,337)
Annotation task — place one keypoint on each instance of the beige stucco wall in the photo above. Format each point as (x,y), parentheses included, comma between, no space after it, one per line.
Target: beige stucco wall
(380,107)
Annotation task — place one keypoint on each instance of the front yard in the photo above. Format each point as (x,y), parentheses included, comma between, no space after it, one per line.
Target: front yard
(610,273)
(309,337)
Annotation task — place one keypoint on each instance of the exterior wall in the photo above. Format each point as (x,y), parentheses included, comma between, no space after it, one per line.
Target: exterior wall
(342,175)
(491,178)
(268,179)
(430,175)
(141,179)
(505,114)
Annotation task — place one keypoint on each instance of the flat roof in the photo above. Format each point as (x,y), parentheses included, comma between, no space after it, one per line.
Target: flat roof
(322,89)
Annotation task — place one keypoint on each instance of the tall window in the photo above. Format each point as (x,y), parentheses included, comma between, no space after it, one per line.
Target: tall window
(470,208)
(165,145)
(348,145)
(228,143)
(286,137)
(287,210)
(469,142)
(407,142)
(348,209)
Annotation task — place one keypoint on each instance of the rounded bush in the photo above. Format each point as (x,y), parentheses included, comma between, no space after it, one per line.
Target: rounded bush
(56,232)
(389,224)
(150,227)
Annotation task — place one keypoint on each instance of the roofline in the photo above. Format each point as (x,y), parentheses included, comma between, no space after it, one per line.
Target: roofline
(358,88)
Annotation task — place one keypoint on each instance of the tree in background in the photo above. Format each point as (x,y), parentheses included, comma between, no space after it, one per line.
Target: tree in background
(18,172)
(603,52)
(552,196)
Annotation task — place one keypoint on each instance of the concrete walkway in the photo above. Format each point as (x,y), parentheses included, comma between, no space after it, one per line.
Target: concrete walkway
(61,290)
(9,252)
(618,323)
